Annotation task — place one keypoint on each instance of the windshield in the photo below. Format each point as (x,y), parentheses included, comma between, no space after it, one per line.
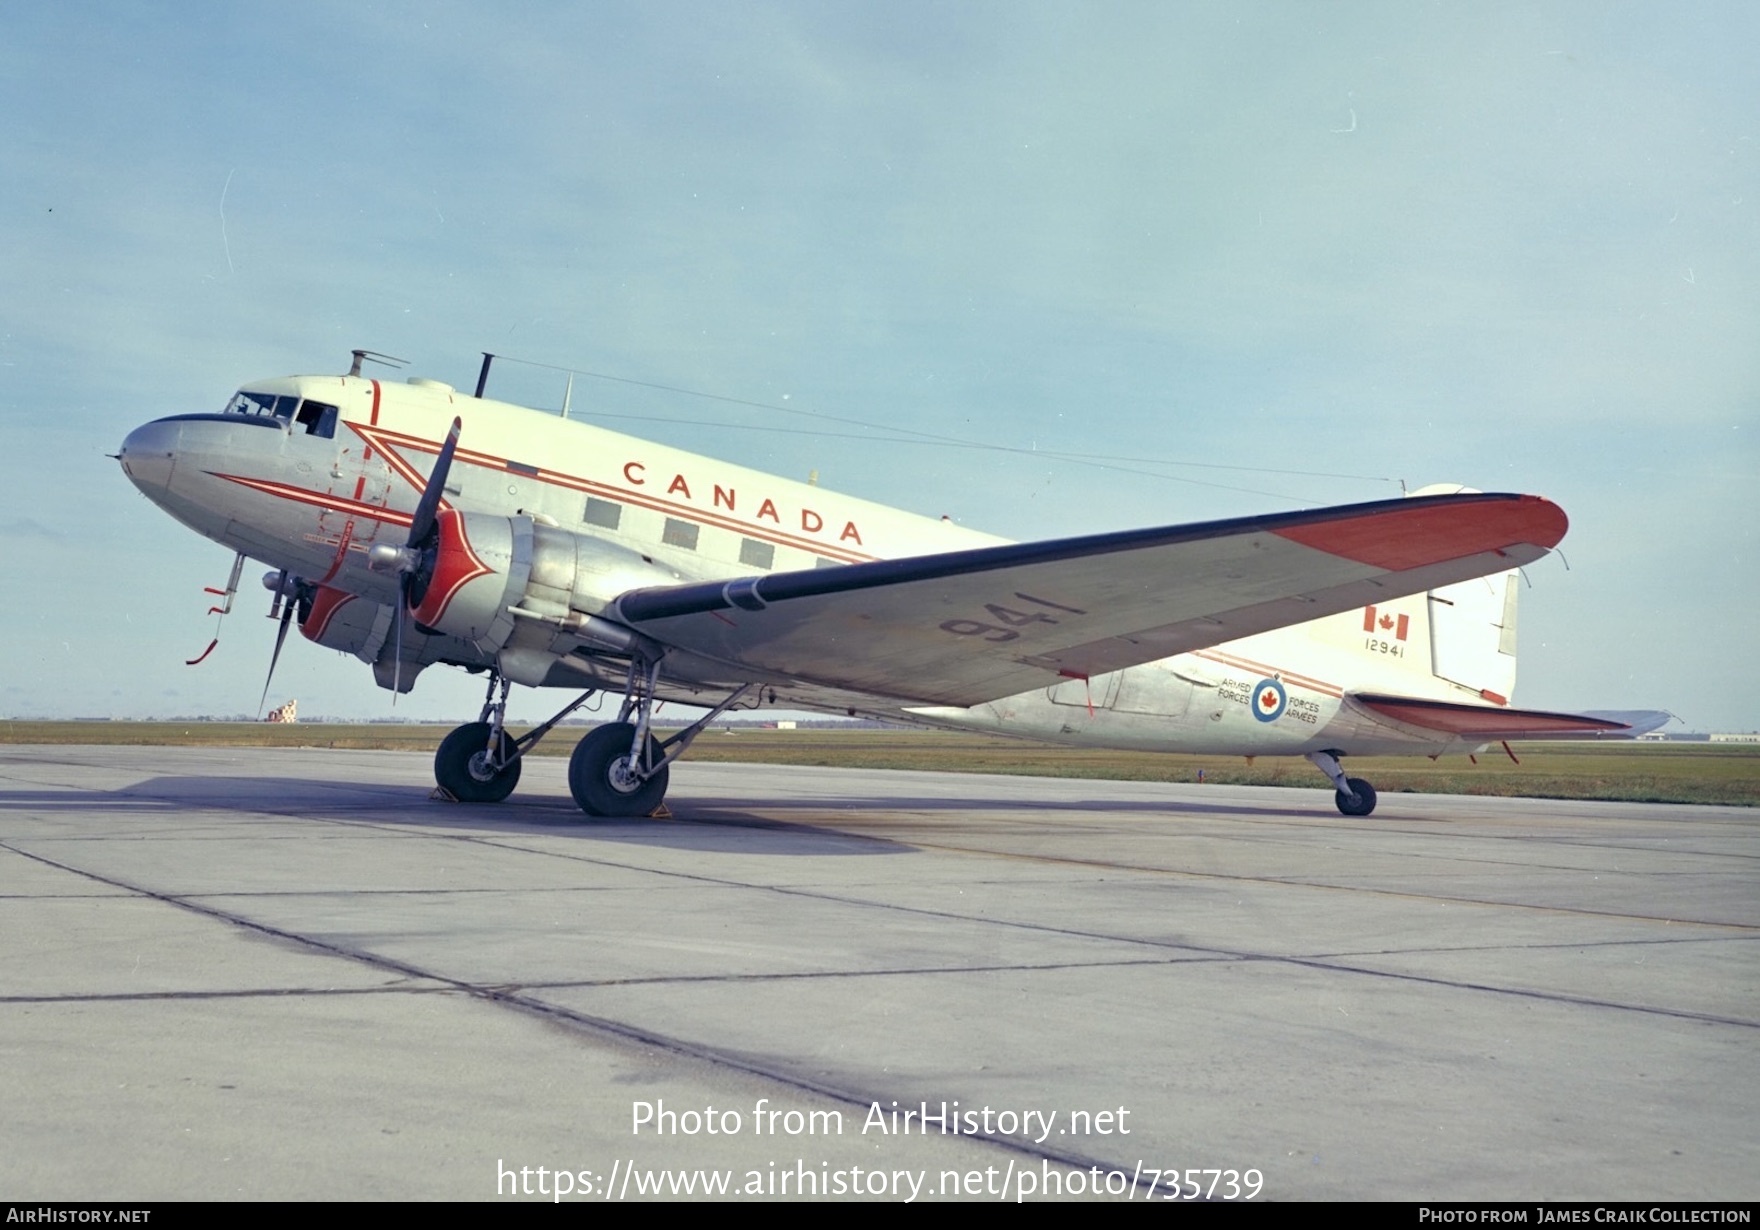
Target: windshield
(246,402)
(315,417)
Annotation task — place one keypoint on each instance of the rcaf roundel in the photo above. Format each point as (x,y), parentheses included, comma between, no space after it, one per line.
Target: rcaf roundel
(1269,700)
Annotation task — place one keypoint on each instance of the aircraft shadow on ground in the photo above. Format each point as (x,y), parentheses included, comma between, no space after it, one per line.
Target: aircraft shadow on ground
(719,828)
(967,803)
(808,823)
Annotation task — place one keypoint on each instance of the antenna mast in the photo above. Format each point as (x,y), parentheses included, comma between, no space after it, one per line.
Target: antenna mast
(363,356)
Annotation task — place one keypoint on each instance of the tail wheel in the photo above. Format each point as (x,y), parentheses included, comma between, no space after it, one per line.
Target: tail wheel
(602,779)
(1361,800)
(461,765)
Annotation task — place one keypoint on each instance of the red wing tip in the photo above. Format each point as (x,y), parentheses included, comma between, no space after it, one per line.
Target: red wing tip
(1431,530)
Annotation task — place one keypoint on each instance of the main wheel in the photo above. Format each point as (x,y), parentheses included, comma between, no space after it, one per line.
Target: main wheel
(461,765)
(1362,804)
(599,774)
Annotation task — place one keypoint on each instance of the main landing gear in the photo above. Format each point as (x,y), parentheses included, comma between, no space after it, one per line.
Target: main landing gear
(465,765)
(480,762)
(1355,797)
(621,769)
(618,769)
(607,777)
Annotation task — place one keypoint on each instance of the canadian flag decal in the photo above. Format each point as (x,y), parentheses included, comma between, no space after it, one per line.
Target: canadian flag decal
(1384,623)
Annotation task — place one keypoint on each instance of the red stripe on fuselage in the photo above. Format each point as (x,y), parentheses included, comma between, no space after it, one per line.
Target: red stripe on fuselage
(318,499)
(341,552)
(1261,668)
(414,477)
(372,418)
(389,441)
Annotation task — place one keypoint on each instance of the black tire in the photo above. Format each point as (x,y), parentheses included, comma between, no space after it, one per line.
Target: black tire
(594,783)
(1362,804)
(452,765)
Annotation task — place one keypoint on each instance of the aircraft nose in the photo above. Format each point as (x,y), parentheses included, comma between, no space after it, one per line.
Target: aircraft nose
(149,456)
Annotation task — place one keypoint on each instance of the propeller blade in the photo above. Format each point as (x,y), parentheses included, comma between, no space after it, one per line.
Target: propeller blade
(403,584)
(423,523)
(408,561)
(280,639)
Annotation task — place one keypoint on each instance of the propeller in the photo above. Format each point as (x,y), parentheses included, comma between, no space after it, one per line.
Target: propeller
(291,595)
(414,561)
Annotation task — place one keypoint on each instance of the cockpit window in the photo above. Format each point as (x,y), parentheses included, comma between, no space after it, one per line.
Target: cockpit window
(268,404)
(316,417)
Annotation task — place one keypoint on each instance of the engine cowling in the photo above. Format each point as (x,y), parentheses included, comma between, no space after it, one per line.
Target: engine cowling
(364,628)
(477,569)
(483,566)
(338,620)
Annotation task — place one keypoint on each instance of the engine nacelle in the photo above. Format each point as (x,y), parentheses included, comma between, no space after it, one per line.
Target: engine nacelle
(484,566)
(343,621)
(364,628)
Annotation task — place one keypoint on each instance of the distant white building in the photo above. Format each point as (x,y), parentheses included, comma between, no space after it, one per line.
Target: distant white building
(1747,738)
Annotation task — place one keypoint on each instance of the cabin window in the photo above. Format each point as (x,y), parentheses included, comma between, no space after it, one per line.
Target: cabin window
(756,554)
(680,533)
(603,513)
(317,418)
(822,562)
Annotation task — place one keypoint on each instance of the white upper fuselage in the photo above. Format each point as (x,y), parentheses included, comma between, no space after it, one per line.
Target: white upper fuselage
(308,473)
(368,475)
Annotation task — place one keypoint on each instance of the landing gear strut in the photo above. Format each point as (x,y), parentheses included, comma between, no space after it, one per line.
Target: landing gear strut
(480,762)
(621,769)
(1355,797)
(618,769)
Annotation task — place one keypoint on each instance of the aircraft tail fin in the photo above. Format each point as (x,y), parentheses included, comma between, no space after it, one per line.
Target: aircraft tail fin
(1456,643)
(1472,629)
(1473,635)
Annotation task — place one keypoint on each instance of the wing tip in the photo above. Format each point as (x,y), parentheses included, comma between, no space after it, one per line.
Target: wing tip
(1434,529)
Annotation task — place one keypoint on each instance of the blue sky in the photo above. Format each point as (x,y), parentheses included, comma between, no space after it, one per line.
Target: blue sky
(1264,255)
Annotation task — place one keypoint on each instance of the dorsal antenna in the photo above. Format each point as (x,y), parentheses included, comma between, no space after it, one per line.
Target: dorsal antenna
(364,356)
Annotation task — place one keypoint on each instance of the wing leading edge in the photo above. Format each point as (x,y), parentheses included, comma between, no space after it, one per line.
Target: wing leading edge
(968,626)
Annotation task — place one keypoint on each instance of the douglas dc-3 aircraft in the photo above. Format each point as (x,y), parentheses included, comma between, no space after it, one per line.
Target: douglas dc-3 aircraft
(409,524)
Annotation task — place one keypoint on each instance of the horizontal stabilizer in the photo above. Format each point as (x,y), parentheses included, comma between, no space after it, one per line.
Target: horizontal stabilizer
(1642,721)
(1488,723)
